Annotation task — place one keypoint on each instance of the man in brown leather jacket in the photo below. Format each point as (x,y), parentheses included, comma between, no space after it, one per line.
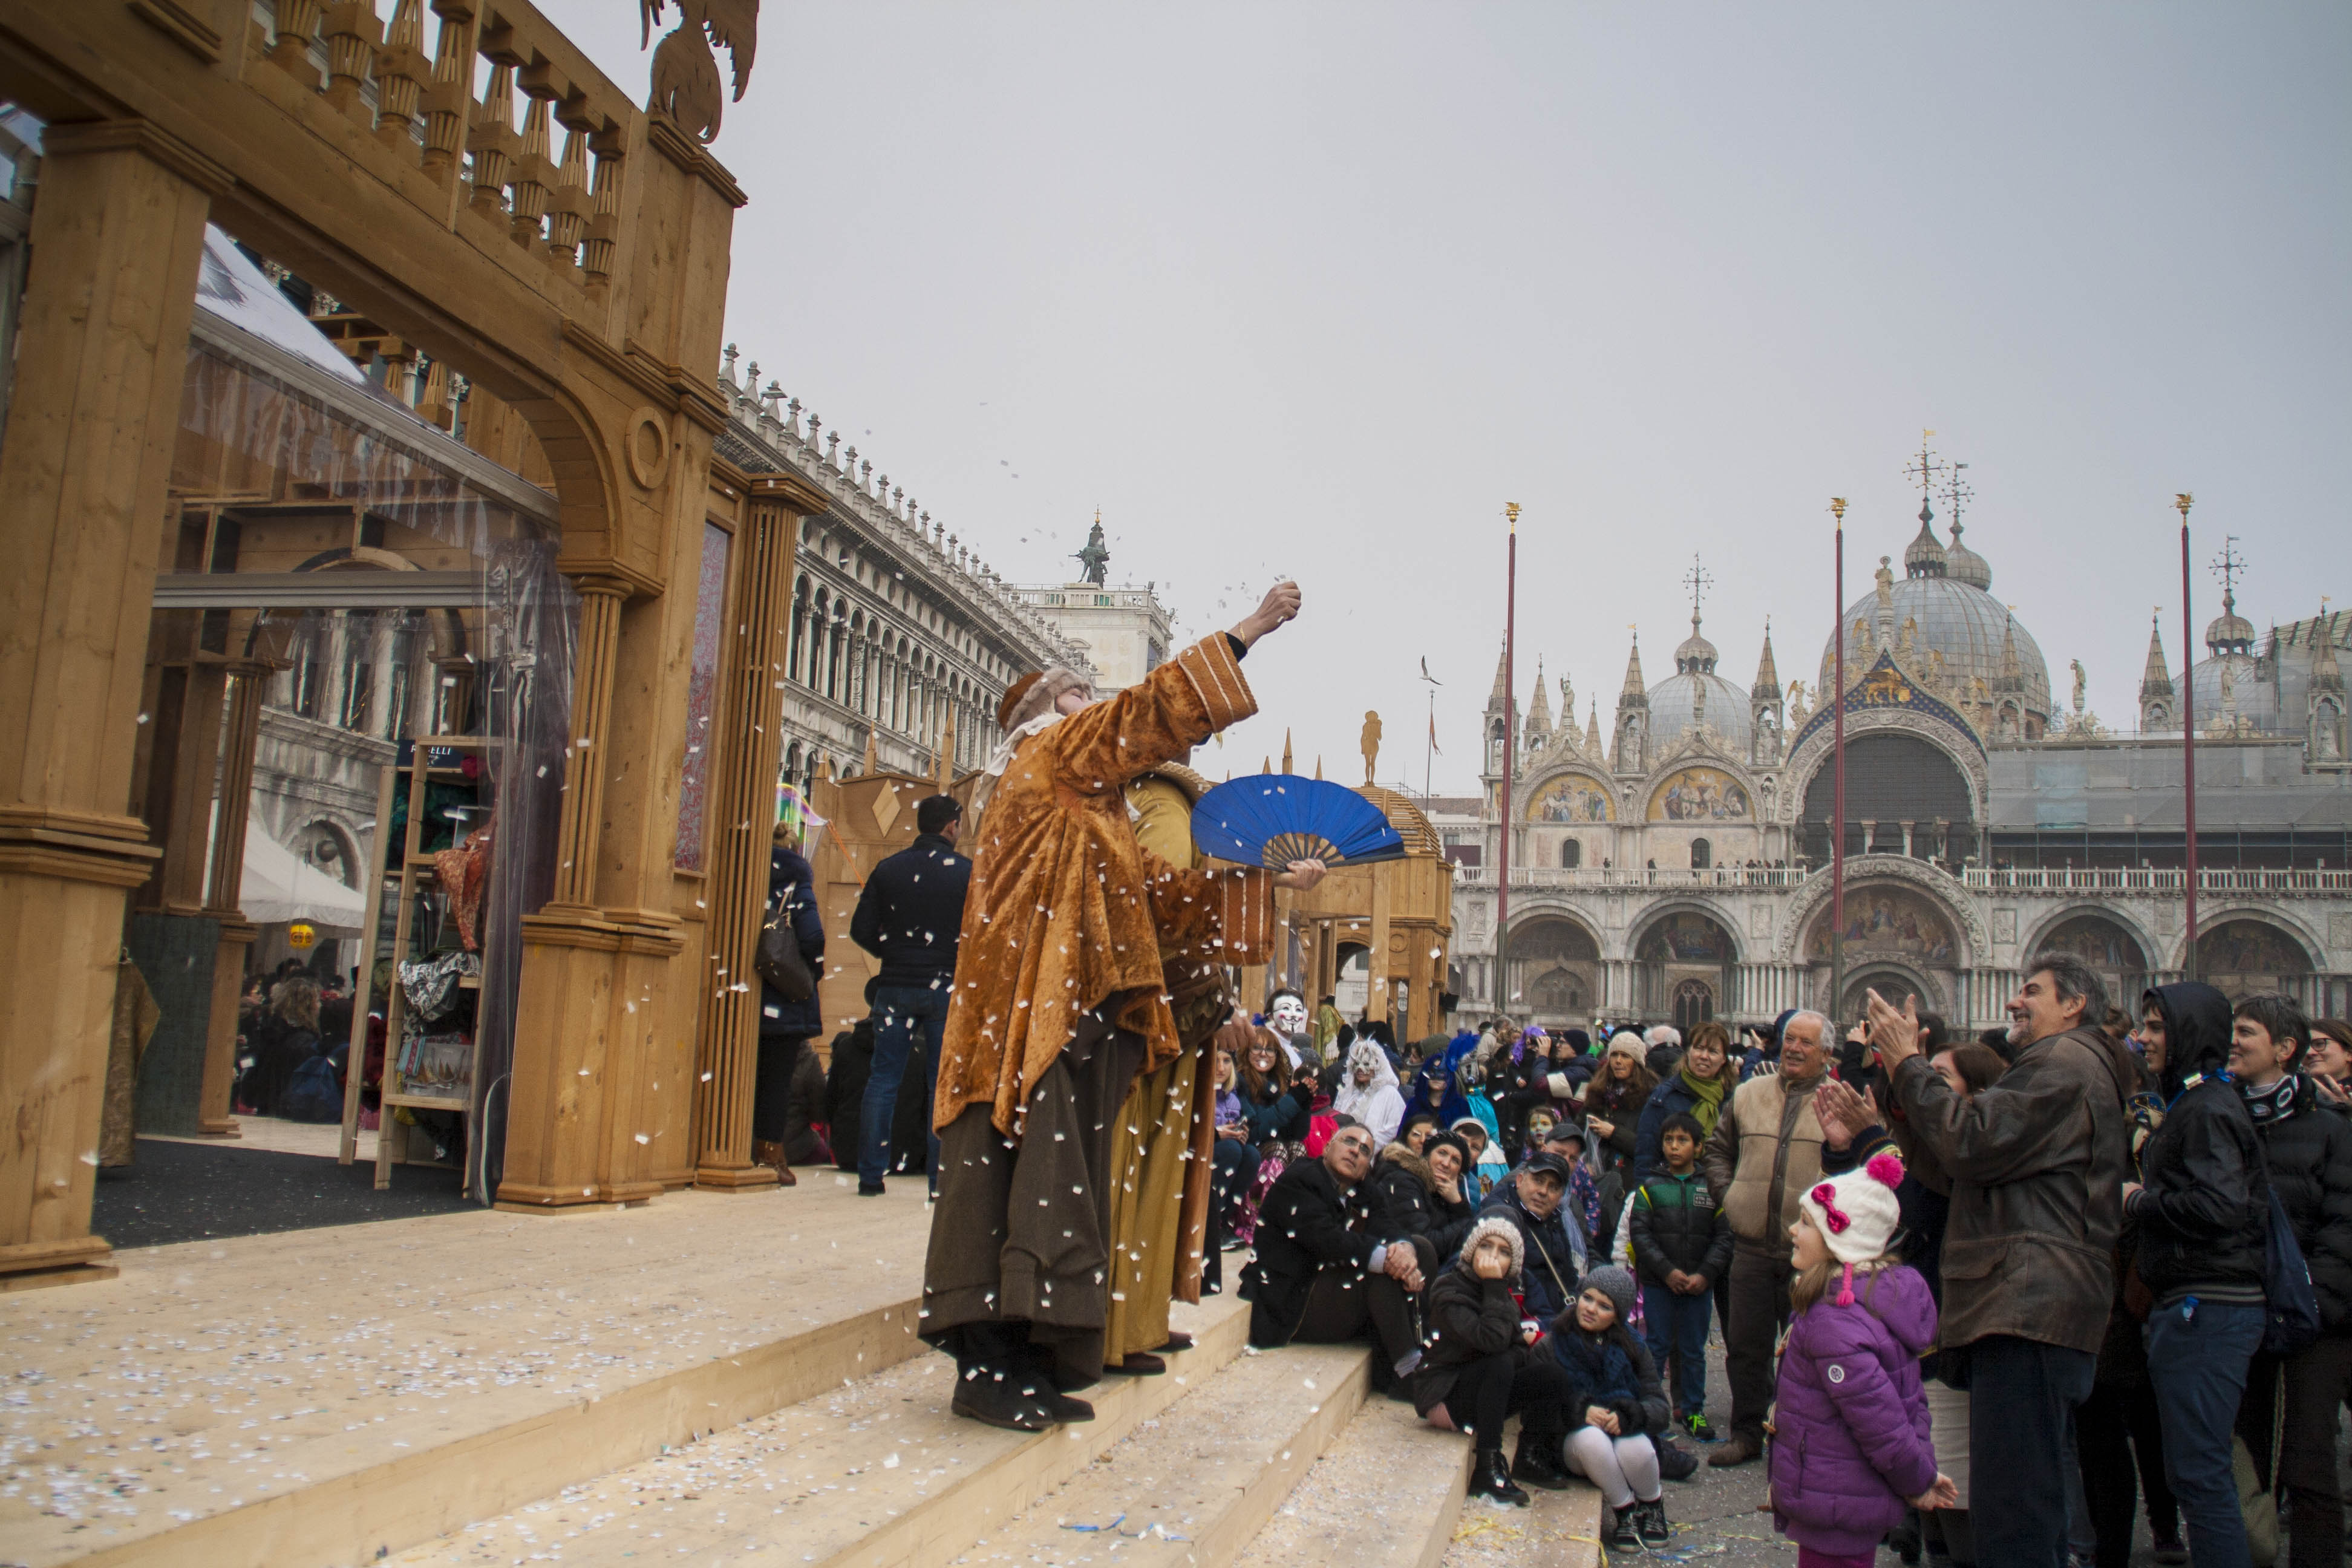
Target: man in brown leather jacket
(2037,1163)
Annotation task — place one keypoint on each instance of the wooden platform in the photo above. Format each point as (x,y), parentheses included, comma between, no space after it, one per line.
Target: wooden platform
(716,1379)
(315,1396)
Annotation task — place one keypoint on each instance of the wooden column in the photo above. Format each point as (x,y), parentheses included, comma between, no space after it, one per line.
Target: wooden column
(248,679)
(1376,1003)
(742,814)
(118,235)
(565,1068)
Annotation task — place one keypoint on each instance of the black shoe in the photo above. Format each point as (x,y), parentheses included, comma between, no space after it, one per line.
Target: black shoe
(869,1189)
(1676,1463)
(1177,1341)
(993,1400)
(1537,1462)
(1491,1478)
(1649,1523)
(1617,1534)
(1695,1424)
(1139,1363)
(1069,1409)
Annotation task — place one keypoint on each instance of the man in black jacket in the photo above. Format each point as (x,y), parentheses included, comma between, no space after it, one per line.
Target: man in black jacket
(2308,1148)
(1322,1274)
(911,916)
(1552,1234)
(2201,1218)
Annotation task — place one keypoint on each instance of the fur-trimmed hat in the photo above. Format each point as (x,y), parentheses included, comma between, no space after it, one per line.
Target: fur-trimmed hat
(1857,1213)
(1034,694)
(1494,1226)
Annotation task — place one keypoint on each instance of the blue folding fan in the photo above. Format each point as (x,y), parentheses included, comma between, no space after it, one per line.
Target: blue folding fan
(1272,819)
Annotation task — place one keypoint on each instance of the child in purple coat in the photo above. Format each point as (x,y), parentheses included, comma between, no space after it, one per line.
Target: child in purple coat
(1850,1442)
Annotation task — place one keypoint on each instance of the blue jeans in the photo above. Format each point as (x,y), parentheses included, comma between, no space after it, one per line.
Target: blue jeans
(2197,1357)
(900,1013)
(1675,1327)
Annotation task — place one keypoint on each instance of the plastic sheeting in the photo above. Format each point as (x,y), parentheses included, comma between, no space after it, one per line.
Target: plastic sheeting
(272,419)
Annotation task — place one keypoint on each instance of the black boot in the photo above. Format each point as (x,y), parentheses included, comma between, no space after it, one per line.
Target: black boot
(1491,1478)
(1617,1530)
(1537,1462)
(1053,1381)
(989,1395)
(1649,1523)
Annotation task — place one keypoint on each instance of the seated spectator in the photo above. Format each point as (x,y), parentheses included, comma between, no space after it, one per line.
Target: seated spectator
(844,1086)
(1421,1194)
(2307,1154)
(1612,1405)
(1566,1140)
(1487,1166)
(2328,1063)
(1552,1240)
(2203,1215)
(807,1129)
(1475,1375)
(1322,1274)
(1417,1131)
(1540,1121)
(1368,1092)
(1682,1246)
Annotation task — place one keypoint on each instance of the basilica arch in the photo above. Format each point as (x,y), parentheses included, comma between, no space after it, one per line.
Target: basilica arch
(2247,951)
(1552,972)
(2112,943)
(1683,961)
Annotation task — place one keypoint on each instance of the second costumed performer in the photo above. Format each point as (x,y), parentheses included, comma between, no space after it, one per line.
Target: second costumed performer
(1060,1001)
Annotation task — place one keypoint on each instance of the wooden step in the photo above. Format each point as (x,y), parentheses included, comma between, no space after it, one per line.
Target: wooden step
(875,1472)
(1384,1496)
(318,1396)
(1193,1488)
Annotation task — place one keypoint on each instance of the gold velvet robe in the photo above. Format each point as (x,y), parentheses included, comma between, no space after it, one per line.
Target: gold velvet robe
(1161,1160)
(1062,917)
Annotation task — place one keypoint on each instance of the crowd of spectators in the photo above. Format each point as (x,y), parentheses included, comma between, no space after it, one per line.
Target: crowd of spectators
(2089,1263)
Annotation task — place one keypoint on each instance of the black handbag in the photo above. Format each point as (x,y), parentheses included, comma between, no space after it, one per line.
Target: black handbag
(777,958)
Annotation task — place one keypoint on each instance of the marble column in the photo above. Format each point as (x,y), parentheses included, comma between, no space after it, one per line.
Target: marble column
(84,474)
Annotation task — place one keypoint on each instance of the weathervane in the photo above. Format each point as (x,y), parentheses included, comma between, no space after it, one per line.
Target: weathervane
(1925,469)
(2226,566)
(1697,581)
(1956,493)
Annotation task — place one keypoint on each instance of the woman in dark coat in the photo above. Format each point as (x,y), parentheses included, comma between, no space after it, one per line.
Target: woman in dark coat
(1614,1099)
(1276,1113)
(785,1026)
(2308,1150)
(1421,1194)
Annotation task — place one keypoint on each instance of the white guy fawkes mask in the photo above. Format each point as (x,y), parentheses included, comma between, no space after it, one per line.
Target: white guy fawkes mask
(1289,1015)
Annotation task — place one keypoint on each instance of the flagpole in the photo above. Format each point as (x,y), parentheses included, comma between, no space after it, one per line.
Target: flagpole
(1510,742)
(1837,750)
(2188,732)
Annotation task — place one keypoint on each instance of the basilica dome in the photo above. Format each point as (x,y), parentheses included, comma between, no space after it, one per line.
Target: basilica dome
(1695,696)
(1948,629)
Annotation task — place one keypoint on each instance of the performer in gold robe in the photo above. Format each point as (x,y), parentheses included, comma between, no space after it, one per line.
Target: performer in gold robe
(1060,1001)
(1162,1150)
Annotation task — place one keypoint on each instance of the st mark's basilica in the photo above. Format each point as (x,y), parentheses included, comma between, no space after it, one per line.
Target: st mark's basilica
(1675,863)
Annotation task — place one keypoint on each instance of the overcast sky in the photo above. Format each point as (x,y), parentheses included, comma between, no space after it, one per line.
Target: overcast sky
(1314,289)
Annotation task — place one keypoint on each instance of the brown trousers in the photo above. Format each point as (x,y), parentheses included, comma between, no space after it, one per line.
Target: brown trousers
(1021,1232)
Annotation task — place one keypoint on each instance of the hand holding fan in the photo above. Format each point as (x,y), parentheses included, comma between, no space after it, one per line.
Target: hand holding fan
(1272,819)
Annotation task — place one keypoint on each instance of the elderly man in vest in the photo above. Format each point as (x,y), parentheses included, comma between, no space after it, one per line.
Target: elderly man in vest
(1765,1156)
(1061,999)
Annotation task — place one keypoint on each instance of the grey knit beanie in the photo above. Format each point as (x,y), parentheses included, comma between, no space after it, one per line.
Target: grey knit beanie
(1616,1284)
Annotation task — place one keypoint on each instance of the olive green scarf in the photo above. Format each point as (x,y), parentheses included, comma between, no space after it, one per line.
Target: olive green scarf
(1707,1102)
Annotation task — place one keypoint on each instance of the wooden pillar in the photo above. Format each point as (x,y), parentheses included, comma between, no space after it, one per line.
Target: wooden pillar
(743,812)
(1376,1005)
(249,679)
(117,234)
